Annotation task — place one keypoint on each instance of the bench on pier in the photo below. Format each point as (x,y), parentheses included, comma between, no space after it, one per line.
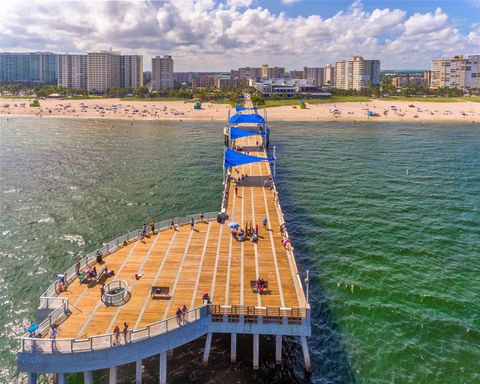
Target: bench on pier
(253,286)
(160,292)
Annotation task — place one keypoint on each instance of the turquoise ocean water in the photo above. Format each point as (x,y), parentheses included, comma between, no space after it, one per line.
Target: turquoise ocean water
(385,216)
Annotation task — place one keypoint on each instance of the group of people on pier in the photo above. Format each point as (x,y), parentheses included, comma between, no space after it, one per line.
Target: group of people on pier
(250,232)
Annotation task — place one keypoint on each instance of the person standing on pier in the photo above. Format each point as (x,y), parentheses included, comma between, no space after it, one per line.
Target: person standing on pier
(184,312)
(192,224)
(116,332)
(152,227)
(125,332)
(179,316)
(172,224)
(265,221)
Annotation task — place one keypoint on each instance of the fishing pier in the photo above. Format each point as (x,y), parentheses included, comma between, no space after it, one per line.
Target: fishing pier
(233,270)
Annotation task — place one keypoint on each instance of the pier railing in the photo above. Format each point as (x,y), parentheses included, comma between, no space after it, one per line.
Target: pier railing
(211,312)
(255,314)
(109,340)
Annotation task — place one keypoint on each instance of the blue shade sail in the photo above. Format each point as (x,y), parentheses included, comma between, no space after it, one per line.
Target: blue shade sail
(236,133)
(247,118)
(233,158)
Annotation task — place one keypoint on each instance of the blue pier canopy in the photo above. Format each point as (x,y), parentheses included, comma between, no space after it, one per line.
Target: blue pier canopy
(236,133)
(233,158)
(247,118)
(240,108)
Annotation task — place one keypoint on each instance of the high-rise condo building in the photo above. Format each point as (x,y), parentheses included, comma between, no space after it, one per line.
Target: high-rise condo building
(162,72)
(131,71)
(357,73)
(329,75)
(457,72)
(29,67)
(72,71)
(314,75)
(103,70)
(272,72)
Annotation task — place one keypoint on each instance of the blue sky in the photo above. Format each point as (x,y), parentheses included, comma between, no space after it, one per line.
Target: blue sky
(215,35)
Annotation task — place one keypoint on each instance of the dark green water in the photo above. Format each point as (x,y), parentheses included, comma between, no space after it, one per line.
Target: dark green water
(394,256)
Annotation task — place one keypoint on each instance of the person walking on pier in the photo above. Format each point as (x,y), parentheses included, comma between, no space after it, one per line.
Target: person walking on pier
(265,221)
(172,224)
(77,267)
(192,224)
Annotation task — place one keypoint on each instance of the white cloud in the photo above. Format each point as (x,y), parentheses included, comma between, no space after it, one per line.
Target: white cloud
(290,2)
(208,35)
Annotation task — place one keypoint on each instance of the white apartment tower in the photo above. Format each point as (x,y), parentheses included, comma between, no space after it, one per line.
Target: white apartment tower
(72,71)
(131,71)
(103,70)
(162,72)
(458,72)
(357,73)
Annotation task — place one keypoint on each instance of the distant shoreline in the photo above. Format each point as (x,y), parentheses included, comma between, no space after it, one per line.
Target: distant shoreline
(353,111)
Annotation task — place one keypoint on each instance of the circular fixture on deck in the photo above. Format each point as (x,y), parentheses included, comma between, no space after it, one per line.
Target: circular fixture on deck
(116,293)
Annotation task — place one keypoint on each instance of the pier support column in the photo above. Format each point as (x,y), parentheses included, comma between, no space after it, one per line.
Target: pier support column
(163,368)
(88,377)
(206,352)
(113,375)
(306,354)
(138,372)
(278,349)
(233,351)
(32,378)
(61,378)
(256,343)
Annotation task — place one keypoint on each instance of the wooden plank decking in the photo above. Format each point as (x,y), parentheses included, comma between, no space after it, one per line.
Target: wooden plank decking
(191,262)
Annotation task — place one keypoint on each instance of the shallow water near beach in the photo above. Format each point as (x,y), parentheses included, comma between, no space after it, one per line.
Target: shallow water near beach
(385,216)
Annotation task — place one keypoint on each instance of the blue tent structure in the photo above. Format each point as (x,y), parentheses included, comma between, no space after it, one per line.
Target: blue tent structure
(236,133)
(233,158)
(251,118)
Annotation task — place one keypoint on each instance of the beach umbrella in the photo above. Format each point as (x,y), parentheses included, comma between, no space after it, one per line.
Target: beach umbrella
(233,224)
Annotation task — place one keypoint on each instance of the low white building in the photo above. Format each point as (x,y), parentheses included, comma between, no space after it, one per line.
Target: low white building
(287,87)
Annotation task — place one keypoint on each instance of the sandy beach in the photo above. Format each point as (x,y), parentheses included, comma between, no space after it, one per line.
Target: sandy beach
(384,110)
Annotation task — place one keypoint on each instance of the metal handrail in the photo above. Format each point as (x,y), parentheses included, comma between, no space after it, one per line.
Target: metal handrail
(32,344)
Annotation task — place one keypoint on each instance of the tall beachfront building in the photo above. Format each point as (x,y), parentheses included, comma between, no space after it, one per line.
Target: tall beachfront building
(329,75)
(29,67)
(103,70)
(357,73)
(72,71)
(162,72)
(457,72)
(272,72)
(314,75)
(131,71)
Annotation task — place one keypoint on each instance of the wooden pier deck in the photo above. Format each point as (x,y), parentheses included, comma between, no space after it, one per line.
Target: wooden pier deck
(191,262)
